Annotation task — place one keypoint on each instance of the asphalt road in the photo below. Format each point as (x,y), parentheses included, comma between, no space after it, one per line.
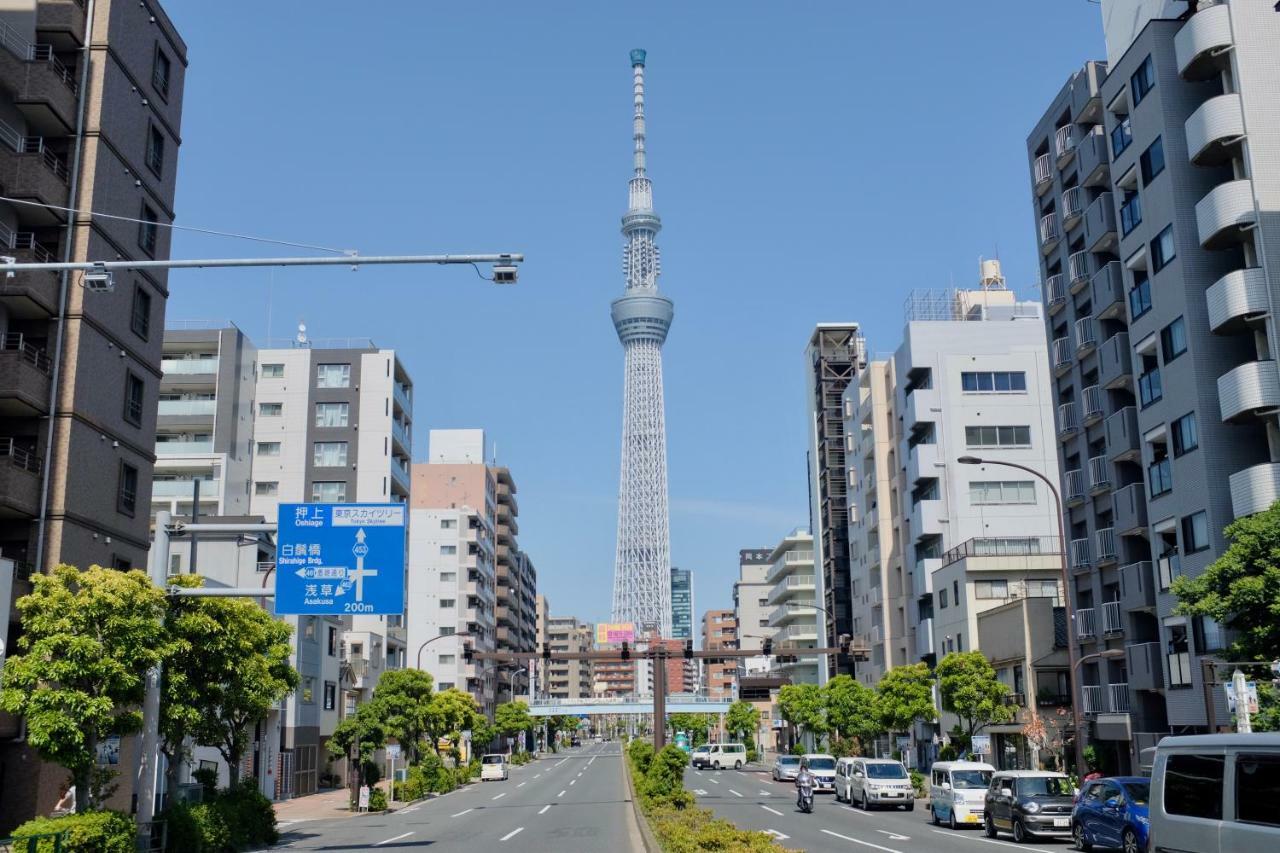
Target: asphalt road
(752,800)
(576,801)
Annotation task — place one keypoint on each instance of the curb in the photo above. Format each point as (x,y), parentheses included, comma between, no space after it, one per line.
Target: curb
(648,839)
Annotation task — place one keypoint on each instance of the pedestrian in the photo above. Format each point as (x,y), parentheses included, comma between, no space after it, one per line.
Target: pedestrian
(66,801)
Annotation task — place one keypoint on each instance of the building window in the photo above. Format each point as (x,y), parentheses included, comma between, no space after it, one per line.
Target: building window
(268,448)
(448,523)
(991,589)
(982,492)
(333,376)
(1143,80)
(140,321)
(155,150)
(328,492)
(330,454)
(1160,475)
(448,577)
(1152,161)
(1162,249)
(148,229)
(1121,136)
(161,67)
(448,550)
(1042,589)
(1186,436)
(997,436)
(1195,533)
(1130,212)
(266,488)
(308,690)
(134,393)
(333,641)
(270,410)
(942,599)
(993,382)
(1149,387)
(1173,340)
(330,696)
(332,414)
(1179,657)
(1139,295)
(127,489)
(272,371)
(448,602)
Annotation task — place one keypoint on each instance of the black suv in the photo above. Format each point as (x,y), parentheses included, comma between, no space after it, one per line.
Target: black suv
(1029,803)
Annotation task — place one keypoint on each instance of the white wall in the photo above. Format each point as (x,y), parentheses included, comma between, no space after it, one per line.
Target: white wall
(1122,20)
(373,472)
(290,429)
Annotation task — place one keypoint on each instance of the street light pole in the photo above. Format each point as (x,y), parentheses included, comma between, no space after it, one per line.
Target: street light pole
(1072,654)
(432,640)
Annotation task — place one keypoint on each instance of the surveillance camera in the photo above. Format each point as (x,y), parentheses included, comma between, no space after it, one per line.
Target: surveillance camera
(504,274)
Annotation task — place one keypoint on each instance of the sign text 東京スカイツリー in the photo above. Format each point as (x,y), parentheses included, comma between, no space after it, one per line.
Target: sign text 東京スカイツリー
(340,558)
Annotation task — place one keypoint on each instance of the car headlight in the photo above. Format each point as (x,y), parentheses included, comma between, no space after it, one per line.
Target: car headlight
(1031,807)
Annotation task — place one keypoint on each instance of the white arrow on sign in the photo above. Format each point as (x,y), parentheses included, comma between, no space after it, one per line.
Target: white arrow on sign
(895,836)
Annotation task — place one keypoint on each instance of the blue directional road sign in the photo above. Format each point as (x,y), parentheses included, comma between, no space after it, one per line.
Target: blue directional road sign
(336,559)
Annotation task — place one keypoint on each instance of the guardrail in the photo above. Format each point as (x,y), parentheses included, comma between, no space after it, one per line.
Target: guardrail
(31,843)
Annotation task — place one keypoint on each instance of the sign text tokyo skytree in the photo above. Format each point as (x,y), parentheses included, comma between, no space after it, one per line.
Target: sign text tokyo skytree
(642,316)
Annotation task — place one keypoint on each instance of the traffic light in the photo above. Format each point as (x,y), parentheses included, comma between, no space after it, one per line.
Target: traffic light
(626,650)
(546,651)
(468,653)
(688,649)
(767,647)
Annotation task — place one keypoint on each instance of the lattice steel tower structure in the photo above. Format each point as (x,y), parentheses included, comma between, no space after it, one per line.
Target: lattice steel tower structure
(642,316)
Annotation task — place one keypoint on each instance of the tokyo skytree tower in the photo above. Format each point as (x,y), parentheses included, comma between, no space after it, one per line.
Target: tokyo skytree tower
(642,316)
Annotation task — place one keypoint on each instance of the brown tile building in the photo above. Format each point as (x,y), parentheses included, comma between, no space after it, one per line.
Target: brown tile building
(720,631)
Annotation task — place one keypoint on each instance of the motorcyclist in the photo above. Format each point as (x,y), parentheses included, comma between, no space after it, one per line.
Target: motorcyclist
(804,780)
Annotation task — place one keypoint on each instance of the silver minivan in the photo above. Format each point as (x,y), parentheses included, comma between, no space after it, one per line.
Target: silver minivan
(1215,793)
(869,782)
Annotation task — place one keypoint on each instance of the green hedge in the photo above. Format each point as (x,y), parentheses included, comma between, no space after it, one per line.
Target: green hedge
(234,819)
(91,832)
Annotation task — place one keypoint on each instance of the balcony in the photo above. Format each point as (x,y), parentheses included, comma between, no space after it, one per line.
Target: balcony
(1062,355)
(25,379)
(797,633)
(1043,172)
(1093,163)
(1115,363)
(1112,618)
(1055,292)
(1215,130)
(204,367)
(1078,271)
(1118,697)
(45,90)
(28,295)
(400,392)
(1236,297)
(922,408)
(926,520)
(924,638)
(922,576)
(792,586)
(19,480)
(184,490)
(1255,488)
(1068,419)
(1137,586)
(1107,286)
(62,22)
(1124,444)
(29,170)
(400,435)
(1100,223)
(922,463)
(1073,205)
(1049,232)
(1086,624)
(400,473)
(1130,508)
(1105,545)
(1145,666)
(183,448)
(1202,41)
(1086,336)
(1064,143)
(1094,404)
(1099,474)
(1093,699)
(187,408)
(1081,560)
(1075,485)
(1224,213)
(1249,389)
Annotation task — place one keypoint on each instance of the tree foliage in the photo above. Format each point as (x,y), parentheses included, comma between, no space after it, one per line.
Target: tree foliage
(970,690)
(903,696)
(742,720)
(88,640)
(804,706)
(363,733)
(697,725)
(512,718)
(851,708)
(452,712)
(403,701)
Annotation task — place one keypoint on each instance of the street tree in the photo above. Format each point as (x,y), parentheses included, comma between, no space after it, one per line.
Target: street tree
(803,706)
(903,696)
(403,700)
(742,720)
(512,718)
(970,690)
(851,710)
(697,725)
(452,712)
(360,736)
(88,639)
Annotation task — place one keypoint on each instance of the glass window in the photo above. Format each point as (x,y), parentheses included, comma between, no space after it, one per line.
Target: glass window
(127,489)
(332,414)
(1179,657)
(266,488)
(1121,136)
(134,394)
(268,410)
(448,602)
(161,66)
(448,523)
(140,322)
(333,641)
(1139,295)
(1162,249)
(1152,161)
(1042,786)
(329,493)
(448,550)
(330,696)
(991,589)
(448,577)
(998,382)
(998,436)
(268,448)
(333,376)
(330,454)
(1130,212)
(1149,388)
(308,690)
(155,149)
(1193,786)
(1002,492)
(1195,533)
(1258,788)
(942,599)
(148,229)
(1185,434)
(1142,81)
(1160,476)
(1173,340)
(273,371)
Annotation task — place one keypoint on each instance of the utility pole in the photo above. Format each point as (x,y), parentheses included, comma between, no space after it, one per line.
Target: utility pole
(1240,687)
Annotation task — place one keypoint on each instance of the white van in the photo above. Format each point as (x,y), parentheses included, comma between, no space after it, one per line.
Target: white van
(874,782)
(721,755)
(1212,793)
(957,792)
(493,767)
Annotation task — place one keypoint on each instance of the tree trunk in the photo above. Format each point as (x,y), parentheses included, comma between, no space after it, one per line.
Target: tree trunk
(173,764)
(82,777)
(234,757)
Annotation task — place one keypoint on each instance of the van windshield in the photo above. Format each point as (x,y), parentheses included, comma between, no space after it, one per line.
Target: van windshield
(886,771)
(970,779)
(493,759)
(822,764)
(1044,786)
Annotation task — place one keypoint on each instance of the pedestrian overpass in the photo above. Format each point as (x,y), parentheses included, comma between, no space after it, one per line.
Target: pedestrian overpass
(677,703)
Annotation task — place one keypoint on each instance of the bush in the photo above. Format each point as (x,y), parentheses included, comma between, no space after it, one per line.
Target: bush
(234,819)
(641,753)
(664,780)
(798,749)
(377,800)
(249,815)
(917,782)
(211,826)
(947,753)
(91,832)
(752,755)
(691,830)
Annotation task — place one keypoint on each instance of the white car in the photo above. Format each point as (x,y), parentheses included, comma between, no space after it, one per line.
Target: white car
(823,768)
(698,758)
(874,782)
(722,755)
(493,768)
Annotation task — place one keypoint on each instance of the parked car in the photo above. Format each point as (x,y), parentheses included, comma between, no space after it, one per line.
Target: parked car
(575,741)
(958,792)
(1215,793)
(786,768)
(698,758)
(1112,812)
(494,768)
(874,782)
(724,755)
(823,768)
(1029,804)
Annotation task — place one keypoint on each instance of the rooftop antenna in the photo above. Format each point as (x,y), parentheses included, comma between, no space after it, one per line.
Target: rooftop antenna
(302,334)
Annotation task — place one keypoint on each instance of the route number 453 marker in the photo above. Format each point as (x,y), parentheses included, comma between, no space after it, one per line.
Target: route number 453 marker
(336,559)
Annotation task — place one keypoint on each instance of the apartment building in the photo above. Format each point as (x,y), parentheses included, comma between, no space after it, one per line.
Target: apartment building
(681,603)
(720,631)
(88,126)
(613,678)
(516,586)
(833,358)
(567,679)
(795,619)
(751,596)
(204,423)
(1167,427)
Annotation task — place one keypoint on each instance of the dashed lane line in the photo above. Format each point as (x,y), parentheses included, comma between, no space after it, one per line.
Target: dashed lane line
(389,840)
(543,810)
(772,811)
(500,796)
(512,834)
(863,843)
(735,793)
(965,837)
(561,794)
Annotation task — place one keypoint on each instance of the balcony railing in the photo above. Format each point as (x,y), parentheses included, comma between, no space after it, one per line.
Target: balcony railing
(182,448)
(28,352)
(1043,170)
(1078,270)
(1111,617)
(1010,546)
(1064,140)
(1086,334)
(1080,556)
(1075,484)
(1093,698)
(20,457)
(1094,403)
(1086,623)
(1062,355)
(1068,418)
(33,145)
(1055,292)
(1106,541)
(1118,697)
(1049,229)
(1073,203)
(1099,473)
(187,407)
(189,366)
(25,50)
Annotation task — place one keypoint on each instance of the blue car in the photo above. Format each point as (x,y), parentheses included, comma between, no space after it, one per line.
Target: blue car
(1112,813)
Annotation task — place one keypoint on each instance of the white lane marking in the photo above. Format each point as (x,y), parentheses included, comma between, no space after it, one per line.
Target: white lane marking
(512,834)
(522,784)
(765,794)
(777,835)
(397,838)
(863,843)
(965,837)
(714,781)
(537,776)
(500,796)
(561,761)
(700,792)
(589,762)
(573,781)
(772,811)
(735,793)
(697,773)
(461,813)
(561,794)
(894,836)
(544,809)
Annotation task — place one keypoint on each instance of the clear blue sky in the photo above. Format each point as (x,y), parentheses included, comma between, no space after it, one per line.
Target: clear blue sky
(812,162)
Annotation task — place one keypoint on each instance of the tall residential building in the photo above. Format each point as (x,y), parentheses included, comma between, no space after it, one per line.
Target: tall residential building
(642,316)
(681,603)
(516,586)
(795,618)
(204,429)
(835,355)
(87,125)
(720,631)
(751,596)
(1168,425)
(567,679)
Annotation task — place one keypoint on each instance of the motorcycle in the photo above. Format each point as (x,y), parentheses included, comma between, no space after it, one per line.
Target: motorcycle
(805,800)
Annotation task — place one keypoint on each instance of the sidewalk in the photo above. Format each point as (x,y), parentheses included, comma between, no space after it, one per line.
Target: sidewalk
(326,805)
